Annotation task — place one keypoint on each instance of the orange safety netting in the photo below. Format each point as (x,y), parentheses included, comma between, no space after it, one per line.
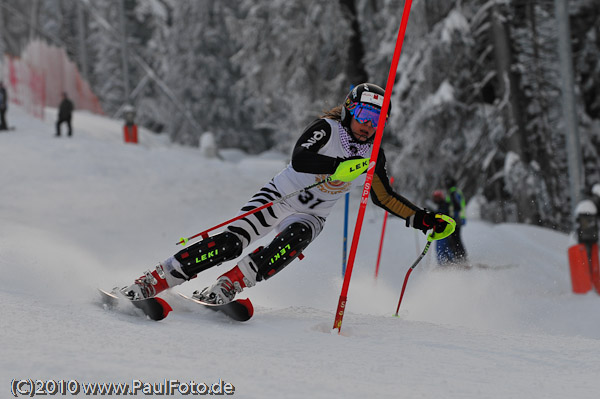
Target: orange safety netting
(39,77)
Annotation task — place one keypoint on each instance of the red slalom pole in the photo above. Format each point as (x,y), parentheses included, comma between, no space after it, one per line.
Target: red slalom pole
(339,315)
(382,237)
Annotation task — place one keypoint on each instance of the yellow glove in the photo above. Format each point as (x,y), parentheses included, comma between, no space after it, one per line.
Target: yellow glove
(350,169)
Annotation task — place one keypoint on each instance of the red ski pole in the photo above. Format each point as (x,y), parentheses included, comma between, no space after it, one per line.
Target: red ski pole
(430,238)
(204,233)
(381,240)
(341,308)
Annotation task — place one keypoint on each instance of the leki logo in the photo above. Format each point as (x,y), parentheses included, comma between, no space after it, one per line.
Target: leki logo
(206,256)
(281,253)
(359,166)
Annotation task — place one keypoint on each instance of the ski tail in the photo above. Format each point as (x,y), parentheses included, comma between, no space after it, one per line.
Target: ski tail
(155,308)
(238,309)
(248,305)
(166,308)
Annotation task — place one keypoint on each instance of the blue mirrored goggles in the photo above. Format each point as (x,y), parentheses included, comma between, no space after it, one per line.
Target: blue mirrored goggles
(364,113)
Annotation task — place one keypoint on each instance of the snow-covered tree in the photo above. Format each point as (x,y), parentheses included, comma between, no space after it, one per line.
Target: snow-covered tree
(476,94)
(293,56)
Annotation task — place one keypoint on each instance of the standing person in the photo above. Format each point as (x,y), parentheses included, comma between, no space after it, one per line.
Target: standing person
(333,145)
(65,112)
(3,107)
(457,211)
(445,253)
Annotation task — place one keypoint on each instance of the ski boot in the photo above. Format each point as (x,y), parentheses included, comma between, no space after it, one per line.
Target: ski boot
(225,288)
(153,282)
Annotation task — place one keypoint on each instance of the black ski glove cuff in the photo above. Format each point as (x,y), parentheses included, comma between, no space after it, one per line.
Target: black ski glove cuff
(425,220)
(421,220)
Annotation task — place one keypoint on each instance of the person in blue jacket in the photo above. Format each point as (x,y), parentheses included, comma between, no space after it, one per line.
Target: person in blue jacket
(455,200)
(445,254)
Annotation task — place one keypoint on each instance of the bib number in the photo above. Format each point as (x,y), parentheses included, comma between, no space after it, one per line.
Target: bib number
(307,197)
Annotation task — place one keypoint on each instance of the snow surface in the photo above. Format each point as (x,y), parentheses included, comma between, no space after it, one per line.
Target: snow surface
(91,211)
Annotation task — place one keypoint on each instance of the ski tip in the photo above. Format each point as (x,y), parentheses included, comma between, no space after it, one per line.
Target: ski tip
(108,298)
(107,293)
(165,306)
(246,302)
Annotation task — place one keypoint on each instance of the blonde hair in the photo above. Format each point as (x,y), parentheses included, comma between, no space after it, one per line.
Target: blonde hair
(334,113)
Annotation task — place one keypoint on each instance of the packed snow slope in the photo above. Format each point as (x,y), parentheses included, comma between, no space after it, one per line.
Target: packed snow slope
(90,211)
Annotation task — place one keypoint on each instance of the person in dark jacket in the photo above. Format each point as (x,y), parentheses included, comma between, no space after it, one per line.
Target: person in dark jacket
(3,107)
(65,112)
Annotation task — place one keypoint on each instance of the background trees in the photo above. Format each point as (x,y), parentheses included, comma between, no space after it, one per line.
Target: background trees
(477,93)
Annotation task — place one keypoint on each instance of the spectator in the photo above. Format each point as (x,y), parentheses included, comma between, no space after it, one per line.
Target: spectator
(65,111)
(3,107)
(445,253)
(456,210)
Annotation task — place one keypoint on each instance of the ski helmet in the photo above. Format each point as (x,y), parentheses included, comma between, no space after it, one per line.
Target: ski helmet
(367,95)
(439,196)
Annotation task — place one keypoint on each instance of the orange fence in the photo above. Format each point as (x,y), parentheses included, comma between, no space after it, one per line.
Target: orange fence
(25,85)
(40,76)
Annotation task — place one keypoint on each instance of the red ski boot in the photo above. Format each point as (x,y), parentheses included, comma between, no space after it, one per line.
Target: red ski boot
(151,283)
(225,288)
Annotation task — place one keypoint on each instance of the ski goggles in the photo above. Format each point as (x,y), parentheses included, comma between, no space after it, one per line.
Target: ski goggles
(364,113)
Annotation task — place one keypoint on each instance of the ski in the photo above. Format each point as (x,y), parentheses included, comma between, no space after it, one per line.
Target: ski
(155,308)
(238,310)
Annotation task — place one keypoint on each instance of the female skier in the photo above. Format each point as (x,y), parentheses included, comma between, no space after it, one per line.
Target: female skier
(337,145)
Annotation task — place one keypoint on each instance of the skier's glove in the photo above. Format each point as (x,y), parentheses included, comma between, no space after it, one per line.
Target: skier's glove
(425,220)
(350,169)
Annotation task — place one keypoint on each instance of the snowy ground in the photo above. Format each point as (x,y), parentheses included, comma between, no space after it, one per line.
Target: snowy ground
(90,212)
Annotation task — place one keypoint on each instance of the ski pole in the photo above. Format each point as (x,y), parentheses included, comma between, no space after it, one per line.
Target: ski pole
(451,225)
(204,233)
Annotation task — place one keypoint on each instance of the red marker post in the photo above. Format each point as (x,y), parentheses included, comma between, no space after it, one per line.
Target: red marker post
(341,308)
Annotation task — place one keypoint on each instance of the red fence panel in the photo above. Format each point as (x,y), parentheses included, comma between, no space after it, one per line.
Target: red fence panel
(39,77)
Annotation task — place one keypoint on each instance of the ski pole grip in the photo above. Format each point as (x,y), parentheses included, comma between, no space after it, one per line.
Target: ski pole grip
(450,226)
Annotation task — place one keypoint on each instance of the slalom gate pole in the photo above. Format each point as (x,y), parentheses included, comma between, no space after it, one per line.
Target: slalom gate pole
(345,240)
(430,238)
(204,233)
(381,240)
(339,315)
